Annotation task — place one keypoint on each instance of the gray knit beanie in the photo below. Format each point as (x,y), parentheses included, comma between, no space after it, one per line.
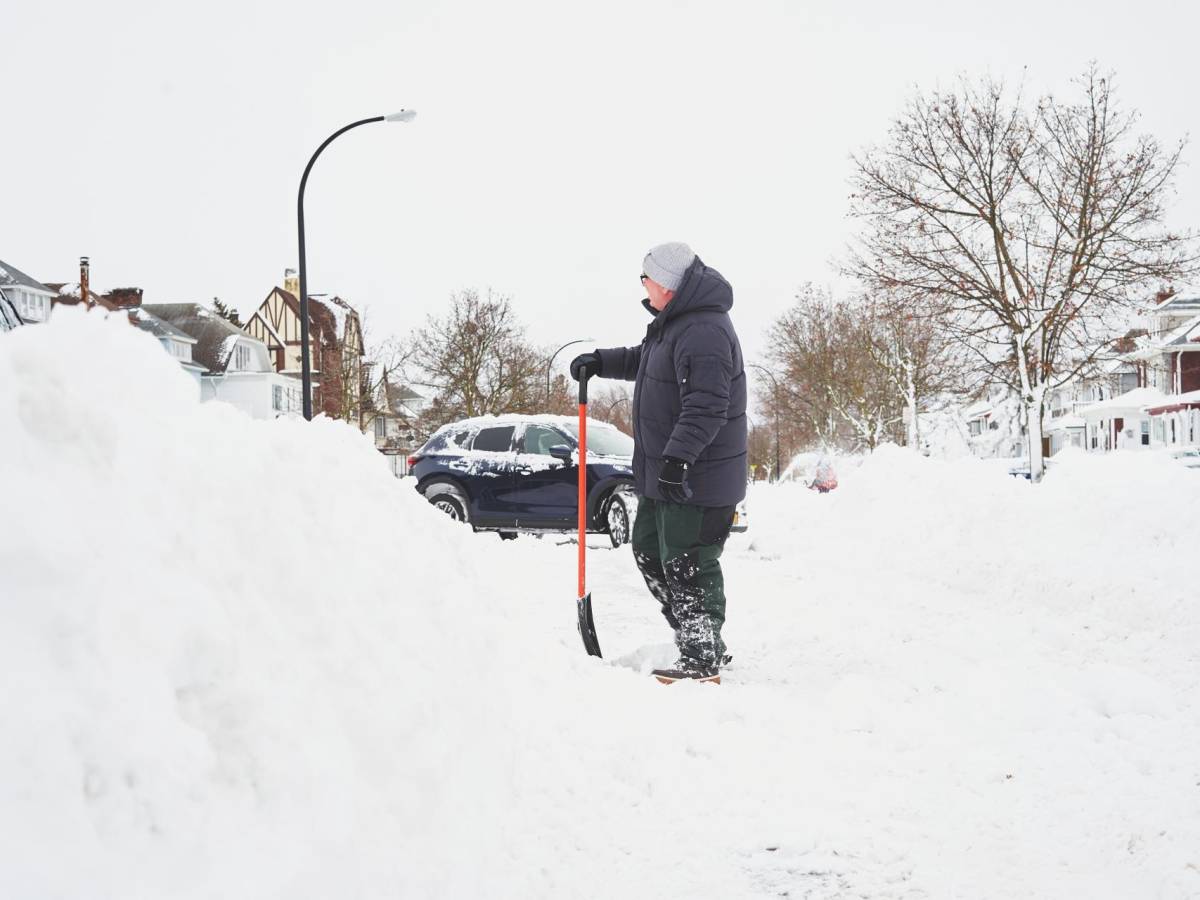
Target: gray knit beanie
(667,264)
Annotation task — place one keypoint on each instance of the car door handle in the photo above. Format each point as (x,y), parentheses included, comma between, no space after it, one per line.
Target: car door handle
(524,470)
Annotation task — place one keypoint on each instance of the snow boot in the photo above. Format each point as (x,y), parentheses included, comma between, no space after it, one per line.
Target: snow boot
(687,670)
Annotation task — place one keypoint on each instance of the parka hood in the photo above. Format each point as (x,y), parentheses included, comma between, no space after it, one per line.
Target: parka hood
(703,288)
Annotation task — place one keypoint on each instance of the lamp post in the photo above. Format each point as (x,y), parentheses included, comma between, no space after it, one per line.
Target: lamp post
(615,403)
(775,384)
(550,364)
(405,115)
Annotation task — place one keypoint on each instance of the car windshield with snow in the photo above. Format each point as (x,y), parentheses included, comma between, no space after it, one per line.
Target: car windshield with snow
(515,474)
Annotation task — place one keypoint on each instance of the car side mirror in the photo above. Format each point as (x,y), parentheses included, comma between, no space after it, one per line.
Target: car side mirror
(561,451)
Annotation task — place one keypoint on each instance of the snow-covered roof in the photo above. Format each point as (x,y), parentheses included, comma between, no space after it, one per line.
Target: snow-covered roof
(65,289)
(1179,305)
(403,392)
(11,276)
(215,336)
(337,307)
(160,328)
(1188,333)
(1131,401)
(975,410)
(1175,401)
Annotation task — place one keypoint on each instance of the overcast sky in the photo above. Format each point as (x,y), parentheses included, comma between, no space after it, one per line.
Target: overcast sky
(555,141)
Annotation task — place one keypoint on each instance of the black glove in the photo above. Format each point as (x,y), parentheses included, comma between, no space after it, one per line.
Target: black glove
(585,365)
(672,481)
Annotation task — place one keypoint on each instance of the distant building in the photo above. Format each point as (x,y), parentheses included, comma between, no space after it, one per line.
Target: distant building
(993,426)
(27,296)
(335,346)
(80,292)
(1169,357)
(178,344)
(391,415)
(237,368)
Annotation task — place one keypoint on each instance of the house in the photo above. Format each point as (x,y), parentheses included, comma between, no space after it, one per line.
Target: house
(237,368)
(1163,410)
(392,415)
(27,296)
(73,294)
(1170,358)
(179,344)
(1064,426)
(993,426)
(1175,420)
(335,345)
(1170,352)
(1121,422)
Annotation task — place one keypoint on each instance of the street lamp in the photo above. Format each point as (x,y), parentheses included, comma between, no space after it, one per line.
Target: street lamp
(550,364)
(775,383)
(405,115)
(615,403)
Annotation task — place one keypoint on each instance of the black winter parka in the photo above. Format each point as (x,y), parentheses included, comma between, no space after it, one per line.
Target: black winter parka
(689,397)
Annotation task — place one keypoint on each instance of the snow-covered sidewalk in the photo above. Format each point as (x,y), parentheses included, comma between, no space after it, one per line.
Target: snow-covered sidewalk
(243,661)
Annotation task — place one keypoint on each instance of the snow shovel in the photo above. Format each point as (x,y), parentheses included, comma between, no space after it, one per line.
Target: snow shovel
(587,627)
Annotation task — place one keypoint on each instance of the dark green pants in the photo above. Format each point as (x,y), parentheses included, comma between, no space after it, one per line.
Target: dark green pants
(678,549)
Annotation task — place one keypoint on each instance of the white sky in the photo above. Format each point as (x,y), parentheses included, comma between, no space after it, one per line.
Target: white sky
(555,141)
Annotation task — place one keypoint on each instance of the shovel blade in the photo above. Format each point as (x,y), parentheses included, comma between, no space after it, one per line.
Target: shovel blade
(587,627)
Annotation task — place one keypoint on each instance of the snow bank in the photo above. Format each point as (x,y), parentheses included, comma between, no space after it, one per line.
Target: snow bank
(243,661)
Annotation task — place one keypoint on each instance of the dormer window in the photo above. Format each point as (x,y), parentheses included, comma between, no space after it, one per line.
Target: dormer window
(241,357)
(31,306)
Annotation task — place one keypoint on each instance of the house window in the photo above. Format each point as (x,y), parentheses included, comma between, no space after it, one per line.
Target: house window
(1145,432)
(277,397)
(1129,381)
(976,428)
(380,427)
(241,357)
(33,307)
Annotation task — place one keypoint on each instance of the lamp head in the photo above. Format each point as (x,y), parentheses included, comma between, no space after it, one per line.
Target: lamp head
(405,115)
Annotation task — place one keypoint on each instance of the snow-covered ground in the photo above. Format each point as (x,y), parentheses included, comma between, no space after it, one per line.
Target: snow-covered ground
(240,660)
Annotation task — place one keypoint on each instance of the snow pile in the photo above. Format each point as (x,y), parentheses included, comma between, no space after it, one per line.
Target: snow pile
(243,661)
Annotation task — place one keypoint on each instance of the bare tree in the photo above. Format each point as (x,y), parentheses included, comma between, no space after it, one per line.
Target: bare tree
(921,359)
(384,363)
(476,361)
(613,403)
(1031,231)
(761,452)
(830,384)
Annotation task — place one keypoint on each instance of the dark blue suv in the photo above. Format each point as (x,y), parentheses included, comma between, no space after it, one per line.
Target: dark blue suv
(520,474)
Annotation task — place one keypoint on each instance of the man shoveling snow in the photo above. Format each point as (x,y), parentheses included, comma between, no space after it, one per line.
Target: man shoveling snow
(689,458)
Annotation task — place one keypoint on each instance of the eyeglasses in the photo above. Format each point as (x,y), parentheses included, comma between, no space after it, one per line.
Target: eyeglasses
(644,277)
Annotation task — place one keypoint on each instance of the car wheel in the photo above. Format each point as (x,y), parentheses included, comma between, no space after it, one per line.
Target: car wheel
(508,535)
(449,499)
(617,518)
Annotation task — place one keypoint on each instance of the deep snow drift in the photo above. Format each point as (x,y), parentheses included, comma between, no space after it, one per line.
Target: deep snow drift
(241,660)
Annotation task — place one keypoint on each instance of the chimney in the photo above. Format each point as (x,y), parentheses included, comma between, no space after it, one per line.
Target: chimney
(83,281)
(291,283)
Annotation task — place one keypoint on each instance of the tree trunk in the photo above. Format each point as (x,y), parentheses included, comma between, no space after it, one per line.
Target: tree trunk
(1033,417)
